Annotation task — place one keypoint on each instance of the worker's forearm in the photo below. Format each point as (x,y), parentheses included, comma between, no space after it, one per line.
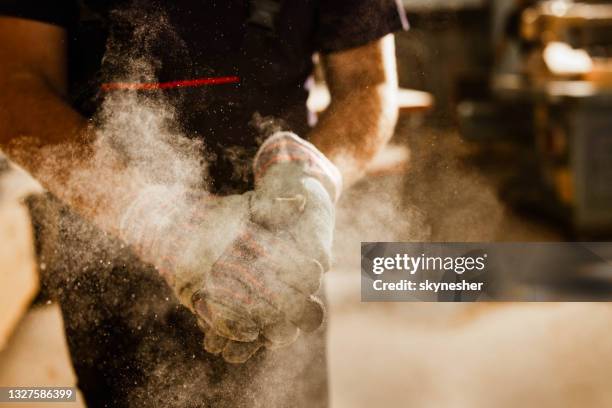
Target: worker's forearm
(355,127)
(43,134)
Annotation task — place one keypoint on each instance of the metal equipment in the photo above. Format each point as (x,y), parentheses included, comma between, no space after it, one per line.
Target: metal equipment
(550,102)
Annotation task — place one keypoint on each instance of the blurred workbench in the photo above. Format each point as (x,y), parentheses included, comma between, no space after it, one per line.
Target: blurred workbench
(408,100)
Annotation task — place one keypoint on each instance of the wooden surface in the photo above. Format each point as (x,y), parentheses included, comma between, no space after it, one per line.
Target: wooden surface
(37,355)
(393,158)
(409,100)
(18,273)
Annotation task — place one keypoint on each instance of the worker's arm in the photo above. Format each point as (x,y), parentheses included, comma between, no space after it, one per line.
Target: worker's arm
(297,194)
(41,132)
(363,110)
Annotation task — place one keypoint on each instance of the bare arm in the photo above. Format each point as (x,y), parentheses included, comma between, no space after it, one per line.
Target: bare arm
(38,128)
(363,110)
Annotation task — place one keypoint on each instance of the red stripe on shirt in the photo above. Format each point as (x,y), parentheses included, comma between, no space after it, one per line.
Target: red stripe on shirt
(137,86)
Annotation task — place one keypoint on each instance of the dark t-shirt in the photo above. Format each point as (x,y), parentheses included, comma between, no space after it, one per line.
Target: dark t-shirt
(132,345)
(267,44)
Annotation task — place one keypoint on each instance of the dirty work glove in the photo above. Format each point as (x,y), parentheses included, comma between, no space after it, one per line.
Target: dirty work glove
(296,188)
(255,276)
(252,256)
(233,274)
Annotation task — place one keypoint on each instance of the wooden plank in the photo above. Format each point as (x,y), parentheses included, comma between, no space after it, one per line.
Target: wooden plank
(408,100)
(392,159)
(411,100)
(37,356)
(18,275)
(18,272)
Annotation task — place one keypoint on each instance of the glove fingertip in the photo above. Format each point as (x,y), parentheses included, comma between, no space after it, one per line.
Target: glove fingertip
(213,343)
(239,352)
(226,321)
(280,334)
(313,315)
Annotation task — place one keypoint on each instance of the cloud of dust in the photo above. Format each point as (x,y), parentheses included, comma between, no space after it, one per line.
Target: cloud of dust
(435,198)
(98,278)
(460,203)
(114,306)
(105,291)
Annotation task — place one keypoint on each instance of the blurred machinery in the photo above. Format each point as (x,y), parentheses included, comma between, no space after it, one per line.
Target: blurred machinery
(546,117)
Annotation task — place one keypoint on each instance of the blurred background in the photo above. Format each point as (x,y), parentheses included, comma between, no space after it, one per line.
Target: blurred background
(505,134)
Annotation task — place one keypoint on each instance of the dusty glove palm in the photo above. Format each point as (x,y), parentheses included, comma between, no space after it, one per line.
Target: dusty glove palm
(233,274)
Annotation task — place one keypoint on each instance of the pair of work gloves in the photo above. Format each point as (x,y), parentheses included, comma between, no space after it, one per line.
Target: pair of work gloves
(248,266)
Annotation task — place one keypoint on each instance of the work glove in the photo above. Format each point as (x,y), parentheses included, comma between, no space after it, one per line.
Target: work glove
(296,188)
(235,276)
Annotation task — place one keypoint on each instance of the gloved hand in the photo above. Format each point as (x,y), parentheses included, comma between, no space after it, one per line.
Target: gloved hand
(296,188)
(238,278)
(266,267)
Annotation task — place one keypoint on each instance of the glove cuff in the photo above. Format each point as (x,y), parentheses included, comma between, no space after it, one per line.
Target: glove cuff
(287,147)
